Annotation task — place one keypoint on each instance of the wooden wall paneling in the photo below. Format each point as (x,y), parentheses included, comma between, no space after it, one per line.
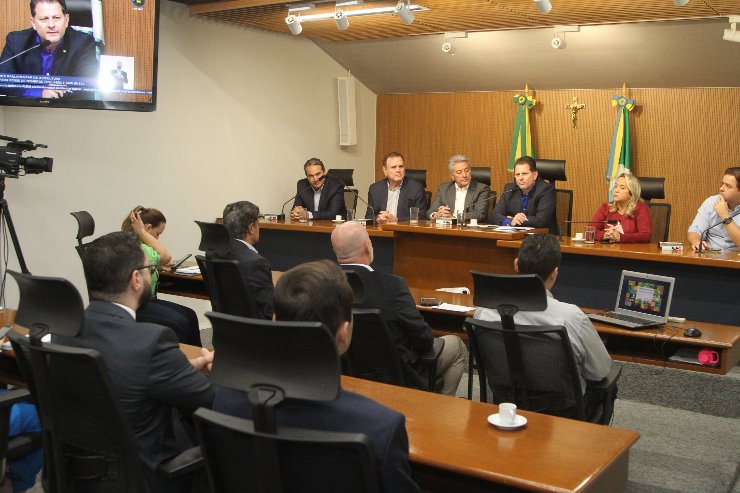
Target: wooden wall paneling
(687,135)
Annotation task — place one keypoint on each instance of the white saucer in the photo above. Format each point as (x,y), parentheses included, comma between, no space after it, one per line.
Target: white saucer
(519,421)
(337,221)
(578,240)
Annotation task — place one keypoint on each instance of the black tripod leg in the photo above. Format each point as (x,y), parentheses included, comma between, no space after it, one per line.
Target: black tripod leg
(14,236)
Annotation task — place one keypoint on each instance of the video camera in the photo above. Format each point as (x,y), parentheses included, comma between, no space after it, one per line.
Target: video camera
(13,165)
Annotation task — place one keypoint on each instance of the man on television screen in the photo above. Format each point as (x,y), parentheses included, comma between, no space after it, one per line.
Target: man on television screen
(50,49)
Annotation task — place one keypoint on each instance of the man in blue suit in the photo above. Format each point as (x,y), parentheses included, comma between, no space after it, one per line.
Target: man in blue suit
(391,198)
(319,292)
(53,49)
(317,194)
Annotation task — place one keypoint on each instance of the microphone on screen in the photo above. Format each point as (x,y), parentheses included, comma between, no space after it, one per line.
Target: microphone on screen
(43,44)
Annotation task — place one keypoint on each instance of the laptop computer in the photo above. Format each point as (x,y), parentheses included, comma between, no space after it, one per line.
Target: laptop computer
(643,301)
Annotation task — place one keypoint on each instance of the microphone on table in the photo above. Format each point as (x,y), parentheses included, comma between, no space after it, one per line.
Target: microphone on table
(357,195)
(705,233)
(282,209)
(469,208)
(43,44)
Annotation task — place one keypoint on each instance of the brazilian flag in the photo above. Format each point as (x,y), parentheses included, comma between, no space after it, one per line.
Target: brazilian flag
(521,142)
(619,154)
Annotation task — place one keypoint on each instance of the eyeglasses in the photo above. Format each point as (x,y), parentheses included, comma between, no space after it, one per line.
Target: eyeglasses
(152,268)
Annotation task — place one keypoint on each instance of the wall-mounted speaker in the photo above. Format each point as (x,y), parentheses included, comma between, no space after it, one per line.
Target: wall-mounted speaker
(347,111)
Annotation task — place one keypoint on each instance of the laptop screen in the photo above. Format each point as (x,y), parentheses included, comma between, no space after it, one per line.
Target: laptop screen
(645,294)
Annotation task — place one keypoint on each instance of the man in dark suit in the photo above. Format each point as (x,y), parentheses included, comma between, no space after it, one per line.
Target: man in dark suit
(318,195)
(150,373)
(242,221)
(461,194)
(319,292)
(391,198)
(64,52)
(392,297)
(119,76)
(528,201)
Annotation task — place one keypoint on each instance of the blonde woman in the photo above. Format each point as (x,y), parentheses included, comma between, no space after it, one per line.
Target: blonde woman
(626,219)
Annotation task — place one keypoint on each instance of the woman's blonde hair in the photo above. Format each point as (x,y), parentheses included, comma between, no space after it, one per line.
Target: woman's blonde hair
(633,185)
(148,216)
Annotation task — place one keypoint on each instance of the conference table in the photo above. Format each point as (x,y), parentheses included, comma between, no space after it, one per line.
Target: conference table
(452,447)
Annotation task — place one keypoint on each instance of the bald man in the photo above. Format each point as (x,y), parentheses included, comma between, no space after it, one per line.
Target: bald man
(391,296)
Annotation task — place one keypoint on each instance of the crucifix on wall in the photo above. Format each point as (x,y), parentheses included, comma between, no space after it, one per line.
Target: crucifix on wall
(574,106)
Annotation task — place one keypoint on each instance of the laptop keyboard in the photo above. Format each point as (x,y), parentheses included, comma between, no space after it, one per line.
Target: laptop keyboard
(625,318)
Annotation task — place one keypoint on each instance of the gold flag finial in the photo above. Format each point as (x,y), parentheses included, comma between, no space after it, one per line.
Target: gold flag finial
(624,89)
(526,89)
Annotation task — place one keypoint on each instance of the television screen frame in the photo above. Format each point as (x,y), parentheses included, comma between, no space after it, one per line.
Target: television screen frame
(119,46)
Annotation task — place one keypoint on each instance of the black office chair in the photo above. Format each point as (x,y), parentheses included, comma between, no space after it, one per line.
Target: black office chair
(553,170)
(532,366)
(273,361)
(420,175)
(85,228)
(660,212)
(481,174)
(88,443)
(345,177)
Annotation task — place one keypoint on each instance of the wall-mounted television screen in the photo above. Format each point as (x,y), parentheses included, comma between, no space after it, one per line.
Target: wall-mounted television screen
(95,54)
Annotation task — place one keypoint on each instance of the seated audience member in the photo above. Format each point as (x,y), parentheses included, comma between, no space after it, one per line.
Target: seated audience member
(149,224)
(718,209)
(392,197)
(320,196)
(626,219)
(319,292)
(540,254)
(153,378)
(392,297)
(242,221)
(461,194)
(528,201)
(22,472)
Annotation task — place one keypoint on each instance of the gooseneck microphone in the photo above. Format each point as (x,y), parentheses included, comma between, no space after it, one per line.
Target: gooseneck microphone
(705,234)
(43,44)
(282,209)
(356,194)
(469,208)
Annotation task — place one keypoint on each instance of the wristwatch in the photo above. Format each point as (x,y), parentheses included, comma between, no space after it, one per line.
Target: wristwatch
(728,220)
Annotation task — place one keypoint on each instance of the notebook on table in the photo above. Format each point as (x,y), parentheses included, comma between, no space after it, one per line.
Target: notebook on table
(643,301)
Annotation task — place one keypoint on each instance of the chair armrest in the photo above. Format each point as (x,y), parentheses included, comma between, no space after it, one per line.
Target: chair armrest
(610,380)
(184,463)
(15,396)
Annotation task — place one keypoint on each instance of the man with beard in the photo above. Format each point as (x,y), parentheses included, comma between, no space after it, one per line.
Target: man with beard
(152,377)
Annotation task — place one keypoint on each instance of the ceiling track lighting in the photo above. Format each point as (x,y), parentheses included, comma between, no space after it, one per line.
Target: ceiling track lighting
(341,19)
(403,11)
(558,39)
(544,6)
(448,43)
(294,24)
(732,34)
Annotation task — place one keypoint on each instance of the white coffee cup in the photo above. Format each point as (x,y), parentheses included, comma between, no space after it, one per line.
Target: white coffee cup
(338,217)
(474,222)
(507,413)
(579,236)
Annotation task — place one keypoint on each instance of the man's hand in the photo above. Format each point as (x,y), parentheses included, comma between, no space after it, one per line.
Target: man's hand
(386,217)
(204,361)
(443,211)
(52,93)
(722,208)
(295,214)
(519,219)
(695,245)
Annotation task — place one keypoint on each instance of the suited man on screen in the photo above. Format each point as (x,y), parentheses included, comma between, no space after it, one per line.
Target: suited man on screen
(391,198)
(64,51)
(119,76)
(320,196)
(461,194)
(154,380)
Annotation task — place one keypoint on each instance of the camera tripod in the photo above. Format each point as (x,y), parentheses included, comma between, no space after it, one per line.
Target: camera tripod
(9,221)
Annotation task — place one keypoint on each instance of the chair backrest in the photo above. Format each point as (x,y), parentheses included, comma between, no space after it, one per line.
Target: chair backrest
(481,174)
(88,444)
(563,210)
(345,176)
(85,227)
(350,199)
(225,286)
(373,355)
(419,175)
(308,460)
(660,212)
(551,169)
(214,238)
(651,188)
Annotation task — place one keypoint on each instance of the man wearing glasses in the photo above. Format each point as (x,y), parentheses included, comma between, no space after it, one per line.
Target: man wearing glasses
(154,380)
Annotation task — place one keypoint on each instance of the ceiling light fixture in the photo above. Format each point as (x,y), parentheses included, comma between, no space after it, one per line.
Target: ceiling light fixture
(352,13)
(341,19)
(300,7)
(448,44)
(732,34)
(558,39)
(402,11)
(294,24)
(544,6)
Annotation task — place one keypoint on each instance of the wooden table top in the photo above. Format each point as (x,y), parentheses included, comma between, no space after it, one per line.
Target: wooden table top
(645,251)
(324,226)
(548,454)
(430,227)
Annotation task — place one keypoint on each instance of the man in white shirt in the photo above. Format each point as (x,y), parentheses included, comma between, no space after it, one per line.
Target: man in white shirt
(717,211)
(462,194)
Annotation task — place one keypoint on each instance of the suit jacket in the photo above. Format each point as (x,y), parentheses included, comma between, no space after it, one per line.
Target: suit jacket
(348,413)
(257,276)
(412,335)
(540,206)
(476,204)
(75,57)
(411,195)
(331,202)
(150,373)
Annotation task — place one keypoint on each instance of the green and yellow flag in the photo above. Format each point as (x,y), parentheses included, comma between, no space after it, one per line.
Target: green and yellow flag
(619,154)
(521,142)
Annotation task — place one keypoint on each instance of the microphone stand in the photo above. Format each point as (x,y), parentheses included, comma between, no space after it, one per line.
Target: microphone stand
(705,233)
(43,44)
(356,194)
